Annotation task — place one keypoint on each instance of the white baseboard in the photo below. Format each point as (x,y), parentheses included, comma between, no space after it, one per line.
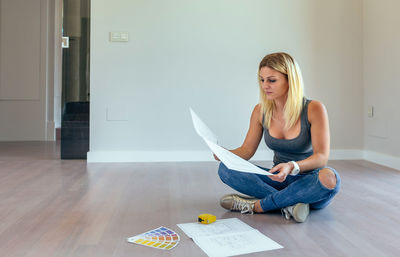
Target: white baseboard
(383,159)
(194,156)
(164,156)
(149,156)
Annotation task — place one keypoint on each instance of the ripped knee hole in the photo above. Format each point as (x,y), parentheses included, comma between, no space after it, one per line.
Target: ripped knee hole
(327,178)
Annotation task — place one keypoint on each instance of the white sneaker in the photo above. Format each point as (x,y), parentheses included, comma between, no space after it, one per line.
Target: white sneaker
(299,212)
(236,202)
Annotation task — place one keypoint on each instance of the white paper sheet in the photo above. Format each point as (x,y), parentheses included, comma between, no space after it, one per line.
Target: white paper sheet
(219,227)
(234,162)
(231,160)
(236,243)
(228,237)
(202,129)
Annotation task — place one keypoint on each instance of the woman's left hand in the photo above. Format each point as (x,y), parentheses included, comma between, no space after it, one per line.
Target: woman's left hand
(282,169)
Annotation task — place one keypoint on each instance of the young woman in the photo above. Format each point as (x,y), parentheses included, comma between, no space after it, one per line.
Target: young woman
(297,130)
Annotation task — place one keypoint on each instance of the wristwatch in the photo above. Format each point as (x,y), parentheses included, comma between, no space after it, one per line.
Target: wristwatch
(295,170)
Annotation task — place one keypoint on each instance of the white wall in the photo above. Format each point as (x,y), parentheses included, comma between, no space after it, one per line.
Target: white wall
(205,54)
(381,76)
(25,70)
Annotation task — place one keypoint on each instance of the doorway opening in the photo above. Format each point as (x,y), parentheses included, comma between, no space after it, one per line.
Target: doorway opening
(75,96)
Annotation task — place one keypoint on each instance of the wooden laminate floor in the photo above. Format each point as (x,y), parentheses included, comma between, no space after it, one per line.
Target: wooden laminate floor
(51,207)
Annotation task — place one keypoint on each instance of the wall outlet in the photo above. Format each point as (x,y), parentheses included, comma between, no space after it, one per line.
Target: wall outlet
(370,111)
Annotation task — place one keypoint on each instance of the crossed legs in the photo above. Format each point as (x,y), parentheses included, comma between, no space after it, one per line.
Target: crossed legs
(316,188)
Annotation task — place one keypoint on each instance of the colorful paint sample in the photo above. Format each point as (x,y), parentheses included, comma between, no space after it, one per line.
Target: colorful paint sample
(160,238)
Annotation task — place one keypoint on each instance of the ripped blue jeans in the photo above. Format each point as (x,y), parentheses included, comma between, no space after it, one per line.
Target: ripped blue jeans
(302,188)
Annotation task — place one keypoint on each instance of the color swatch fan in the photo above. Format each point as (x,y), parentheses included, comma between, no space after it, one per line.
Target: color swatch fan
(161,238)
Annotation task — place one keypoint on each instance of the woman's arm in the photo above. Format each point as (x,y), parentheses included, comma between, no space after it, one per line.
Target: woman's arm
(253,137)
(318,118)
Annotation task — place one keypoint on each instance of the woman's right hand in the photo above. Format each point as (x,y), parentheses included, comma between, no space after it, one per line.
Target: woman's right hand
(216,158)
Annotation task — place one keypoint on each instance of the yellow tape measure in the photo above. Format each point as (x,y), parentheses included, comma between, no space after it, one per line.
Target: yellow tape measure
(206,218)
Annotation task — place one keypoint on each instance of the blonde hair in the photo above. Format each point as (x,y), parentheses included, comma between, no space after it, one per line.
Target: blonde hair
(286,65)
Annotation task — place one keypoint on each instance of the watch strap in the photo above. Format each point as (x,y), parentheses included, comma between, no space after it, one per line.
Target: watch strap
(296,168)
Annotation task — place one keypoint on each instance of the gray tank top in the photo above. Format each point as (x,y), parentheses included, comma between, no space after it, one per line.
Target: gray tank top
(296,149)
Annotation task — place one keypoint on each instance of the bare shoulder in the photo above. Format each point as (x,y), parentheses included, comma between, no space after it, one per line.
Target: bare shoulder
(316,111)
(257,113)
(257,108)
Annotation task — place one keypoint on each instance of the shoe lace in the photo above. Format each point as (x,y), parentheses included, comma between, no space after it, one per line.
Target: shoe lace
(242,205)
(286,212)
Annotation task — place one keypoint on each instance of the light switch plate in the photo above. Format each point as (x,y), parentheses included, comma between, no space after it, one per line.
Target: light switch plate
(119,36)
